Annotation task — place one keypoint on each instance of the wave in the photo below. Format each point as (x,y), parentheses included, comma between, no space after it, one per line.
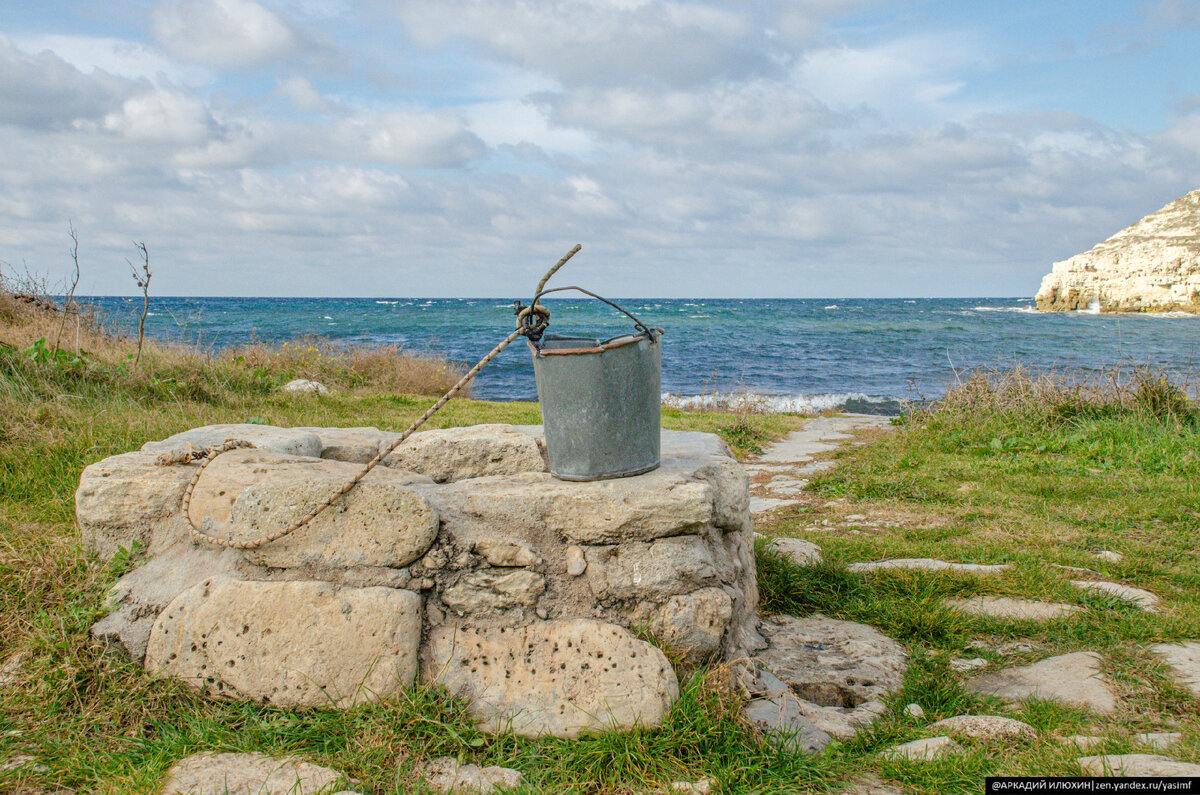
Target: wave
(760,403)
(1029,310)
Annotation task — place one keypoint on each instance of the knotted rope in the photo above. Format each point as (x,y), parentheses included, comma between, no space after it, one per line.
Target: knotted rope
(527,326)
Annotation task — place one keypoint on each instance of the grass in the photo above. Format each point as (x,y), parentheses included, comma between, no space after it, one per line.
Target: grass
(1009,468)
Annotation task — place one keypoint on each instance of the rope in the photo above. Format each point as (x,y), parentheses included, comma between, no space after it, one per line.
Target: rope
(523,329)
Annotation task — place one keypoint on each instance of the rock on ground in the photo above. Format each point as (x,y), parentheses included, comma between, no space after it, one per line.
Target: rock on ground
(1142,598)
(1070,678)
(268,438)
(1158,739)
(694,623)
(248,774)
(839,671)
(923,750)
(929,564)
(1136,765)
(303,386)
(1008,607)
(558,678)
(780,718)
(1184,661)
(445,774)
(292,644)
(987,728)
(798,551)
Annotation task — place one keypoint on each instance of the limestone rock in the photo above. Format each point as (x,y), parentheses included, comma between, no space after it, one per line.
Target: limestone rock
(1136,765)
(303,386)
(694,623)
(798,551)
(1150,266)
(654,571)
(1108,556)
(445,774)
(871,786)
(929,564)
(988,728)
(781,718)
(247,774)
(248,494)
(923,750)
(1143,599)
(488,591)
(701,787)
(1184,661)
(352,445)
(576,561)
(507,553)
(1158,739)
(10,672)
(1016,609)
(138,597)
(452,454)
(841,671)
(961,666)
(1071,678)
(1083,741)
(122,499)
(914,711)
(560,678)
(267,438)
(292,644)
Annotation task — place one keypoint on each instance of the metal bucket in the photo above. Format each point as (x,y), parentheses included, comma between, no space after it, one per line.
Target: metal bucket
(600,403)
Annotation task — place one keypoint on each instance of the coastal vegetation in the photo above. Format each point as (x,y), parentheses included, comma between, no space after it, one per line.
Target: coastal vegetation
(1010,467)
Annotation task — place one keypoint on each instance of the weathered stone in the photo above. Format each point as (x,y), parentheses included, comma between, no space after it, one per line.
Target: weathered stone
(1158,739)
(962,666)
(352,445)
(1083,741)
(248,774)
(292,644)
(841,671)
(488,591)
(656,570)
(138,597)
(560,678)
(1108,556)
(701,787)
(1143,599)
(914,711)
(922,750)
(781,719)
(452,454)
(799,552)
(694,623)
(929,564)
(871,786)
(122,499)
(1016,609)
(10,672)
(1150,266)
(987,728)
(1136,765)
(1184,661)
(507,553)
(266,438)
(445,774)
(1071,678)
(303,386)
(576,561)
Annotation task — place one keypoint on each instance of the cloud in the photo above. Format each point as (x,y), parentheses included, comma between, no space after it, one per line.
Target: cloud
(234,34)
(1174,13)
(44,91)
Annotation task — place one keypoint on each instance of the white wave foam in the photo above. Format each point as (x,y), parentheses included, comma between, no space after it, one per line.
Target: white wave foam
(768,404)
(1025,309)
(832,306)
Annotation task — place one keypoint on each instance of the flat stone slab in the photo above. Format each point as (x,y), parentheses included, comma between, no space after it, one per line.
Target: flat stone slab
(269,438)
(1136,765)
(922,750)
(781,718)
(839,671)
(1008,607)
(987,728)
(474,451)
(1070,678)
(445,774)
(247,774)
(799,552)
(291,644)
(929,564)
(558,678)
(1158,739)
(819,435)
(1184,662)
(1143,599)
(764,504)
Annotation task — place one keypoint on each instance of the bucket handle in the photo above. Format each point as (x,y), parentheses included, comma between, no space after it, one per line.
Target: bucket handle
(637,324)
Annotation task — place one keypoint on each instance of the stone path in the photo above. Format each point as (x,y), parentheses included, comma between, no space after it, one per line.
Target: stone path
(780,473)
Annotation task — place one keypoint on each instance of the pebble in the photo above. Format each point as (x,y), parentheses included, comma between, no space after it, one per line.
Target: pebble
(914,711)
(576,562)
(923,750)
(959,665)
(1109,556)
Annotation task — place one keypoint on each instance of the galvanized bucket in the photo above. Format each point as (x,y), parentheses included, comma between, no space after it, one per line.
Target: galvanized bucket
(600,402)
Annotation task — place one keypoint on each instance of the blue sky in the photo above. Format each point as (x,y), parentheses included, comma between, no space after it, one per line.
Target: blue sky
(456,148)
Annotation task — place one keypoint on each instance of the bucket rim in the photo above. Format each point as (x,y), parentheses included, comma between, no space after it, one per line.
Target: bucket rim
(610,344)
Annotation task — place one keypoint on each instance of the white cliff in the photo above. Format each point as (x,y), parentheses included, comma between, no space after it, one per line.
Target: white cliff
(1151,266)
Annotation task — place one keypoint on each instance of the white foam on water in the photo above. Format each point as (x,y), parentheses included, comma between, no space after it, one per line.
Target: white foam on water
(768,404)
(832,306)
(1029,310)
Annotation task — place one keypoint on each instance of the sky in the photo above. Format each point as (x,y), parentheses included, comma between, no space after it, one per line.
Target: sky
(782,148)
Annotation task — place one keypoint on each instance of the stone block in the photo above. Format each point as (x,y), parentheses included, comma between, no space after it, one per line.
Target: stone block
(654,571)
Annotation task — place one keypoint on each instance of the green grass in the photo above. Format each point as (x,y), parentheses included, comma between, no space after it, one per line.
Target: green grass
(1029,482)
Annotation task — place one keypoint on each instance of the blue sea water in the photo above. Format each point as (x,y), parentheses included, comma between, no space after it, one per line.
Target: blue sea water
(800,354)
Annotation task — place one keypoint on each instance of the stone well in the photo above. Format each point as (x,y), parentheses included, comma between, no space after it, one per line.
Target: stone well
(461,561)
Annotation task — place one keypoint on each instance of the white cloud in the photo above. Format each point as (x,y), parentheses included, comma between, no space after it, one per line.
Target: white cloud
(43,90)
(224,33)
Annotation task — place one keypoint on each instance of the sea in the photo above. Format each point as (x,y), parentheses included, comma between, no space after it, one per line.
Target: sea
(803,355)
